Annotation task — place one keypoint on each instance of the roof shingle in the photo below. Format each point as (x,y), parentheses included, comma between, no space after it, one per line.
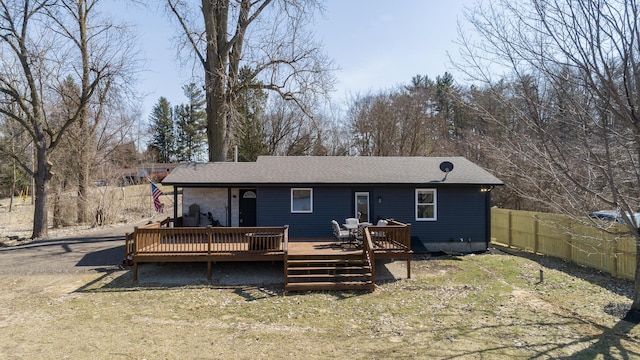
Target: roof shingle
(330,170)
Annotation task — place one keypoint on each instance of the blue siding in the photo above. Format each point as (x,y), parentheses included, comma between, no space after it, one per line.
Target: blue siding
(462,211)
(274,208)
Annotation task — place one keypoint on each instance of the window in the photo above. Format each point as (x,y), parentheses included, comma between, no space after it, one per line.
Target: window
(425,204)
(301,200)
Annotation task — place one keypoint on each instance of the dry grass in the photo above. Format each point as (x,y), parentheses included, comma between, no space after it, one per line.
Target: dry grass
(487,306)
(119,205)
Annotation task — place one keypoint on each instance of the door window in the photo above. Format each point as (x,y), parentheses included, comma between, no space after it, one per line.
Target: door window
(362,206)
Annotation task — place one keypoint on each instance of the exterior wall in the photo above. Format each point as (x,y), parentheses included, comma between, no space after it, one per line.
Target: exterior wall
(461,217)
(461,224)
(212,200)
(274,209)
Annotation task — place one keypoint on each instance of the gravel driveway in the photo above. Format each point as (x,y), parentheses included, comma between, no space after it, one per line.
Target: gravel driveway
(90,251)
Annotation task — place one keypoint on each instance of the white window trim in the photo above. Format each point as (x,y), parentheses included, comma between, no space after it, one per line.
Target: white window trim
(293,211)
(435,205)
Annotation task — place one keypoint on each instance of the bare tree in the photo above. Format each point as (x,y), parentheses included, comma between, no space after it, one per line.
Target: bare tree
(14,138)
(574,72)
(267,36)
(40,53)
(415,120)
(97,43)
(288,131)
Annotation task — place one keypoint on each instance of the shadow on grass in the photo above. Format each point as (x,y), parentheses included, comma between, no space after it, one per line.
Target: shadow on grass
(250,280)
(604,280)
(512,338)
(608,344)
(246,280)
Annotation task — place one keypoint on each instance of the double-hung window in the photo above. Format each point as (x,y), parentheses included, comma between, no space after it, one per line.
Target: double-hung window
(301,200)
(426,205)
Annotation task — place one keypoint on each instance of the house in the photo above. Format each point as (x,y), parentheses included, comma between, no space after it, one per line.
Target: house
(446,200)
(154,171)
(142,173)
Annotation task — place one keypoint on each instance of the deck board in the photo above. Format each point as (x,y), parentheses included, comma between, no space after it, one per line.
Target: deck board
(320,247)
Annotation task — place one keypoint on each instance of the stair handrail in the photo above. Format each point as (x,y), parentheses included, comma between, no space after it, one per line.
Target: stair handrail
(285,248)
(367,245)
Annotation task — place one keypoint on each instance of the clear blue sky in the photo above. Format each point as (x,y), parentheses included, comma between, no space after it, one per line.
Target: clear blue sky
(377,44)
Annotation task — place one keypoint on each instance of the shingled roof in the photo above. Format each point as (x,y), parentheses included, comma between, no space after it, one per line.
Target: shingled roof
(272,170)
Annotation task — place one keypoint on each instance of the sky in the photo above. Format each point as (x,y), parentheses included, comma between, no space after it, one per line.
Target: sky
(376,44)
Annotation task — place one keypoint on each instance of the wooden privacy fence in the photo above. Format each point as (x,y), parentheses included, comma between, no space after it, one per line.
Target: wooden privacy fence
(556,235)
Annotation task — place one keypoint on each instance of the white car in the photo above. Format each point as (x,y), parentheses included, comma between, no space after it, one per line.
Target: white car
(612,215)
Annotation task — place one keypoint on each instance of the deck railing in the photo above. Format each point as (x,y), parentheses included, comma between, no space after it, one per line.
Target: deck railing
(391,241)
(367,246)
(395,235)
(209,240)
(130,238)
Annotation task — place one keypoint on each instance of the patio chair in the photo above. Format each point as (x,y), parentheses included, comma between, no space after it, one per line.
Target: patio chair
(356,227)
(341,235)
(378,237)
(352,221)
(193,217)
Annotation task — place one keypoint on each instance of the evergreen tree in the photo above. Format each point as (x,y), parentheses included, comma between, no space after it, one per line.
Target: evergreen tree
(250,134)
(190,124)
(163,141)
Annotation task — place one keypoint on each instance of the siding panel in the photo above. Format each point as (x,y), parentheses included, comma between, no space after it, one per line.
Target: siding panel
(461,213)
(274,208)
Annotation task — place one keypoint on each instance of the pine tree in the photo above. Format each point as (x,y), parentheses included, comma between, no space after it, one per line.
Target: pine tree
(163,139)
(250,135)
(190,120)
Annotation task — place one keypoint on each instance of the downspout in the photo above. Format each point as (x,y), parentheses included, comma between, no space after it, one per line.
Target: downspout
(228,206)
(487,200)
(175,205)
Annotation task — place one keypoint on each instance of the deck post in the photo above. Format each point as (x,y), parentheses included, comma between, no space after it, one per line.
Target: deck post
(127,246)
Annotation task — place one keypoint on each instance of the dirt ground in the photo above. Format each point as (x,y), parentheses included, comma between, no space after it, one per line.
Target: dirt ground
(70,297)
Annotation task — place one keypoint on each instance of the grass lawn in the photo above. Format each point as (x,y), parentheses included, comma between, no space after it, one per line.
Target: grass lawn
(489,306)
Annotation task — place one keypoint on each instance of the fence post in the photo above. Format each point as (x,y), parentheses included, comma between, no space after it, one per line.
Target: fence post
(614,254)
(536,235)
(510,229)
(568,240)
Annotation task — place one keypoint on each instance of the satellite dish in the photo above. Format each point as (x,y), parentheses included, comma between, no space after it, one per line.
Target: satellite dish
(446,167)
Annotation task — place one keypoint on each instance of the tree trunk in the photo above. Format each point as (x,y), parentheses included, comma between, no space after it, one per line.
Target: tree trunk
(84,164)
(57,209)
(633,315)
(82,198)
(13,183)
(86,136)
(216,75)
(40,220)
(216,125)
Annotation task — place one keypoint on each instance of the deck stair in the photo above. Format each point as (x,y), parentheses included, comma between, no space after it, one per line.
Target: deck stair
(328,272)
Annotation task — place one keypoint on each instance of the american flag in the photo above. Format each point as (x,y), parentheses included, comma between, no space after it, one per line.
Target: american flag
(155,192)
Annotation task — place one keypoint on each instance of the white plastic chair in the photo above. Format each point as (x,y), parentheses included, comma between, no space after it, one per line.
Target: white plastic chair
(341,235)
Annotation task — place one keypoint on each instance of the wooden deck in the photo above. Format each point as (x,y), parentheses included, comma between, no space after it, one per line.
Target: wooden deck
(319,263)
(321,246)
